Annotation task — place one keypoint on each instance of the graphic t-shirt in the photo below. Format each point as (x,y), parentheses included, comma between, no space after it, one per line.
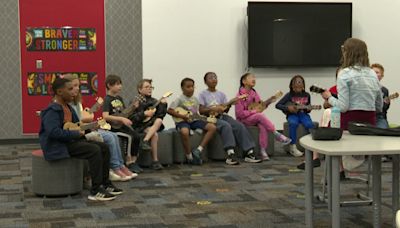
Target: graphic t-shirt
(113,105)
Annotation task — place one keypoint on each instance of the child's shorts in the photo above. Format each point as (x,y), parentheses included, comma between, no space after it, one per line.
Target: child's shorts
(197,124)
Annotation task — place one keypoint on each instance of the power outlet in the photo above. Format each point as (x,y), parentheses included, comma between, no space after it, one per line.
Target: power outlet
(39,64)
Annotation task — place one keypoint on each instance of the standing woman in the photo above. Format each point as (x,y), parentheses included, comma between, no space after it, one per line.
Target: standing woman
(359,93)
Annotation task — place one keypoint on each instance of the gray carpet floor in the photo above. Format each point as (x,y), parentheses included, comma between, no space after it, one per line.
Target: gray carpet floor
(269,194)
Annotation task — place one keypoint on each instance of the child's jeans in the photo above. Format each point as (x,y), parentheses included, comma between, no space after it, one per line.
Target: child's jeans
(112,141)
(294,120)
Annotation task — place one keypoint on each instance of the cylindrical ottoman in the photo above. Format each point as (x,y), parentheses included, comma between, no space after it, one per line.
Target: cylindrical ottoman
(254,132)
(56,178)
(165,150)
(216,148)
(195,139)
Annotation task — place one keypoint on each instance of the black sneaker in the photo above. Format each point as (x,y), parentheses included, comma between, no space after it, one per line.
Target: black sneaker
(232,159)
(134,167)
(156,165)
(196,153)
(343,176)
(315,162)
(145,145)
(251,158)
(114,190)
(101,195)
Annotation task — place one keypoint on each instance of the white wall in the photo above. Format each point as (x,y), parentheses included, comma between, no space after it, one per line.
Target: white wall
(186,38)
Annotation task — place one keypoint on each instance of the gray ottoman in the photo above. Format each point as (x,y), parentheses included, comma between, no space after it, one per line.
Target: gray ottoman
(56,178)
(300,133)
(179,154)
(216,148)
(254,132)
(165,150)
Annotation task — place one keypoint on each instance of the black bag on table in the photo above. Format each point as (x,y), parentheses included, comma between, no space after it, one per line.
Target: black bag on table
(357,128)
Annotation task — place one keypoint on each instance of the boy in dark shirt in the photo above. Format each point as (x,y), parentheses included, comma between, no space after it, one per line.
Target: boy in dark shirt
(58,143)
(113,108)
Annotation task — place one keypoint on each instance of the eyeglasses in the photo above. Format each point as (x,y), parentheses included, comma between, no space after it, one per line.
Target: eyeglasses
(148,87)
(213,77)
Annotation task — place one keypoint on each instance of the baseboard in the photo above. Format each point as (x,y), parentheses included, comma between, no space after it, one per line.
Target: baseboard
(19,141)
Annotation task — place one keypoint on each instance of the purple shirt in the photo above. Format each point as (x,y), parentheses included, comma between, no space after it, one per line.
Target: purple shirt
(208,98)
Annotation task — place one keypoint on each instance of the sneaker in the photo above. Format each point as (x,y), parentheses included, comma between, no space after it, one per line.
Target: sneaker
(294,151)
(232,159)
(197,157)
(264,156)
(128,173)
(113,190)
(145,145)
(343,176)
(123,176)
(251,158)
(156,165)
(386,158)
(283,139)
(316,163)
(134,167)
(113,176)
(101,195)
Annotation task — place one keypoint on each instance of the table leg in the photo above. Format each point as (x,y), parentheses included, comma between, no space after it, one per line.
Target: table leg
(309,191)
(328,161)
(335,192)
(376,189)
(395,186)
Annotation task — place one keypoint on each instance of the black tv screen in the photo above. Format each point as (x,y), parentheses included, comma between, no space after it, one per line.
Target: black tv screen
(297,34)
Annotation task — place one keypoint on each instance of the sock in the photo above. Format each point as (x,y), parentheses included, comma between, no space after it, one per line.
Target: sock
(200,148)
(189,156)
(230,151)
(277,134)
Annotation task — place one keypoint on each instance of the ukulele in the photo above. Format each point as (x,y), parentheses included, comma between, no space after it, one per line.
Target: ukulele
(262,105)
(153,107)
(304,107)
(316,89)
(391,97)
(87,114)
(87,126)
(192,116)
(127,111)
(226,105)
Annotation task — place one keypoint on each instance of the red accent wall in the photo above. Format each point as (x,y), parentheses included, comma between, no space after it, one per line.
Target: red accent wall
(59,13)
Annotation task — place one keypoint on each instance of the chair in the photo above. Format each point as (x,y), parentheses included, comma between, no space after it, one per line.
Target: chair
(125,141)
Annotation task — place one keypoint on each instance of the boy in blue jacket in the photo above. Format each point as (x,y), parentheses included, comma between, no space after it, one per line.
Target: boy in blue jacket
(58,143)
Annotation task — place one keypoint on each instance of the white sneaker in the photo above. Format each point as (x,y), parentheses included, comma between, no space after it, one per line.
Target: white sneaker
(294,151)
(264,156)
(115,177)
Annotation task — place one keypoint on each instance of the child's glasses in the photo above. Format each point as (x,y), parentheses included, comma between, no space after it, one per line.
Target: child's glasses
(149,87)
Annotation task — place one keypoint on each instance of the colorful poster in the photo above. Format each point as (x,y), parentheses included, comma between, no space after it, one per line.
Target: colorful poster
(39,83)
(60,39)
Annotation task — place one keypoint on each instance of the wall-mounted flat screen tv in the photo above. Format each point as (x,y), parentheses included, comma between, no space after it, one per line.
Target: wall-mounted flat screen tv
(297,34)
